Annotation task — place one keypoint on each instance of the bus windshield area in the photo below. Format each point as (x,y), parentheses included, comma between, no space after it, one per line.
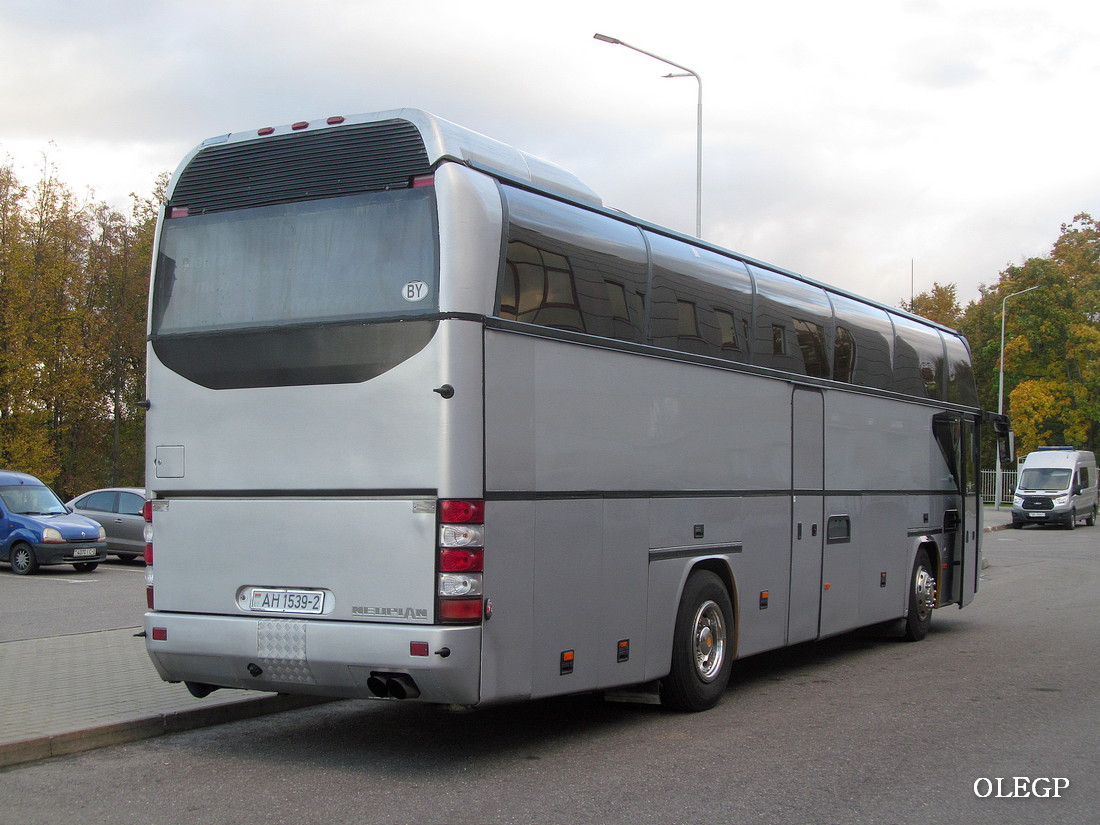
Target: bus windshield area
(364,257)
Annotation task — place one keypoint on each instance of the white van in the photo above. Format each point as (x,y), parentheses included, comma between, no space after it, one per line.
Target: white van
(1056,485)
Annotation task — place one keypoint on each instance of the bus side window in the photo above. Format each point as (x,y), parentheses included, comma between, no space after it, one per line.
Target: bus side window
(572,269)
(918,359)
(700,300)
(863,346)
(961,388)
(794,324)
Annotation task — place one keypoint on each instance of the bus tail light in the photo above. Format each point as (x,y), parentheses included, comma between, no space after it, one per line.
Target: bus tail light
(147,514)
(461,561)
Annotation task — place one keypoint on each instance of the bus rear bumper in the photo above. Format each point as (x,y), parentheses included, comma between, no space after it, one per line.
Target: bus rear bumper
(358,660)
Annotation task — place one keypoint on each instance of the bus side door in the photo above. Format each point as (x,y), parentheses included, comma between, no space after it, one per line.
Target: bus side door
(807,514)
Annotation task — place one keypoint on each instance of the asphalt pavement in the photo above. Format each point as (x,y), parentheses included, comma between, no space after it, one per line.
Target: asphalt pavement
(66,694)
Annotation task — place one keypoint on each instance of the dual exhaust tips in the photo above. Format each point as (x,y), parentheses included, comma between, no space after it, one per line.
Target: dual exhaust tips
(382,685)
(393,686)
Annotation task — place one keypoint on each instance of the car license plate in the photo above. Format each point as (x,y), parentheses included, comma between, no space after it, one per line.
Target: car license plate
(84,552)
(278,600)
(1037,515)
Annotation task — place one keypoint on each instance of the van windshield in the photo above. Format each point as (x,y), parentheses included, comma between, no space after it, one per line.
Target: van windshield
(28,500)
(1045,478)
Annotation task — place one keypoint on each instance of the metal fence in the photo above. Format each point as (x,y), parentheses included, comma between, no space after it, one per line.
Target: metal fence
(989,486)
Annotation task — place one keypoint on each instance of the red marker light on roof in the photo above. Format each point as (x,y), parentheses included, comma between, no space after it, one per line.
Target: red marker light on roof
(334,120)
(301,124)
(267,130)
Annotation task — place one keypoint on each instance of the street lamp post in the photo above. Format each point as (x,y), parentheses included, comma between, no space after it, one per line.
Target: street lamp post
(698,129)
(1001,387)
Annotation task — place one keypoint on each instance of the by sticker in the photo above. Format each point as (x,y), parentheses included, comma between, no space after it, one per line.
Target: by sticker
(414,291)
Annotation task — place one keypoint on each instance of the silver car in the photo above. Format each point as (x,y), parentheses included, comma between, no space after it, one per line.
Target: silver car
(118,509)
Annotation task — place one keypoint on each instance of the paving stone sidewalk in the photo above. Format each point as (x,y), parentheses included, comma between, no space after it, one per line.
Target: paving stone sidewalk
(65,694)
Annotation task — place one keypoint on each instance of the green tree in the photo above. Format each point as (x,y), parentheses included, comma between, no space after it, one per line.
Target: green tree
(73,289)
(1052,341)
(939,304)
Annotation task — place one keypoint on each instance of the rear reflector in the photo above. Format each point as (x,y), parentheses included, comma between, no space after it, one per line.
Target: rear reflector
(160,634)
(460,610)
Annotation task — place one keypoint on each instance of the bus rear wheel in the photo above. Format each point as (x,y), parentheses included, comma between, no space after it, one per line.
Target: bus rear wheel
(701,645)
(922,598)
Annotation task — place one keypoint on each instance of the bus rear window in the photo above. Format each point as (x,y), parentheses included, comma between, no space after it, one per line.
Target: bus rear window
(328,291)
(364,257)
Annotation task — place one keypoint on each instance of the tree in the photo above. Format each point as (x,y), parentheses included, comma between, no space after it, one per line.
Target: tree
(940,304)
(1052,341)
(73,288)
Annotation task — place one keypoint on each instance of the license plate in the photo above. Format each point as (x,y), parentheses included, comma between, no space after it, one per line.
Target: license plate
(1037,515)
(271,600)
(84,552)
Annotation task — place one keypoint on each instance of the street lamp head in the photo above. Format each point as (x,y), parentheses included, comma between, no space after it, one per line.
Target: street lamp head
(607,39)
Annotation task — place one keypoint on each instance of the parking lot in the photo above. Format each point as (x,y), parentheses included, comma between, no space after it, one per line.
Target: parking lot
(58,601)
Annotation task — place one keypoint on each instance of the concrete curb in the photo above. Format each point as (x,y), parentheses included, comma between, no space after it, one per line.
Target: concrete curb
(119,733)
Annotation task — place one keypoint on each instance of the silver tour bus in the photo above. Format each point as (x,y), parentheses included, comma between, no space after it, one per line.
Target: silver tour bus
(427,421)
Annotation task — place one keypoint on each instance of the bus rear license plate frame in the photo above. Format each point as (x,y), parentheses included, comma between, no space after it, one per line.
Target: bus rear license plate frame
(283,600)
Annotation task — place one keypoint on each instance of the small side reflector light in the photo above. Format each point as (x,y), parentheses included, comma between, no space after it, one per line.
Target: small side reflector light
(418,649)
(334,120)
(566,663)
(160,634)
(179,212)
(423,180)
(267,130)
(301,124)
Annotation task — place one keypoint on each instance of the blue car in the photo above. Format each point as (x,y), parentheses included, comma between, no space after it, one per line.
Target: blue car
(36,528)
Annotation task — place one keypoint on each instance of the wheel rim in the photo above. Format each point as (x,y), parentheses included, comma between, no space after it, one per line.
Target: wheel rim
(924,588)
(21,559)
(708,640)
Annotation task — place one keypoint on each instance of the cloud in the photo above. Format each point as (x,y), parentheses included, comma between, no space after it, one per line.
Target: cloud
(843,141)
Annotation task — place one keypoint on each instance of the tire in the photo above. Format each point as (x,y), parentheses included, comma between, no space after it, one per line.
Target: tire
(702,652)
(23,560)
(922,598)
(1072,523)
(1090,519)
(85,566)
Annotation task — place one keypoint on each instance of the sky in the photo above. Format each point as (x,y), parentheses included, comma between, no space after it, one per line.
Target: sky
(881,146)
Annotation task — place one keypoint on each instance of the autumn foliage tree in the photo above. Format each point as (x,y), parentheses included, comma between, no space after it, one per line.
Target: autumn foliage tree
(73,287)
(1052,341)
